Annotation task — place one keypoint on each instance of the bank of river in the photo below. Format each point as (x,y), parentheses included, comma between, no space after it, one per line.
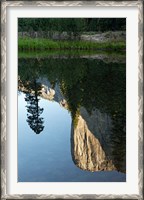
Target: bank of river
(103,41)
(46,44)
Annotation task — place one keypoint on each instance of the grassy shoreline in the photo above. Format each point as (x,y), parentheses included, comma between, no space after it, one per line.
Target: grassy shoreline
(46,44)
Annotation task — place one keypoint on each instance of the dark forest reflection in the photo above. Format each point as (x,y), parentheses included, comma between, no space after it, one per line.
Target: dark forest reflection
(88,86)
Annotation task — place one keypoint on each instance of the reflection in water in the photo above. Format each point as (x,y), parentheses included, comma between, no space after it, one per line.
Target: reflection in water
(34,111)
(94,93)
(33,91)
(92,143)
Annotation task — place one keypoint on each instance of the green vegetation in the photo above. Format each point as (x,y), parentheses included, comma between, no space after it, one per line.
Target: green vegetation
(66,34)
(46,44)
(73,26)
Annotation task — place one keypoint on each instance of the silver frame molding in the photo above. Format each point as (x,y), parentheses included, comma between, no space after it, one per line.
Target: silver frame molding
(4,5)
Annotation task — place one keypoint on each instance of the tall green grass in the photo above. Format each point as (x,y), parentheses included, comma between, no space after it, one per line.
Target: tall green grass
(46,44)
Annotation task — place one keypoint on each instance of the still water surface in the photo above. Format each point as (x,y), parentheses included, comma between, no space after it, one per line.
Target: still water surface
(58,98)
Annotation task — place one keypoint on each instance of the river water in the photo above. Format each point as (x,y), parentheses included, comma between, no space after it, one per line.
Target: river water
(58,98)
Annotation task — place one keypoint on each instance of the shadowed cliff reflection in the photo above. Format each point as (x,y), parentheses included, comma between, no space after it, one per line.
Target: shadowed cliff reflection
(94,92)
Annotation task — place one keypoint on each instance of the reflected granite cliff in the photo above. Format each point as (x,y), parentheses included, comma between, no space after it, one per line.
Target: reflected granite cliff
(93,143)
(94,92)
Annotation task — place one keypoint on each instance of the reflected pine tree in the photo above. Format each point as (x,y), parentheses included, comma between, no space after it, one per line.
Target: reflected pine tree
(34,111)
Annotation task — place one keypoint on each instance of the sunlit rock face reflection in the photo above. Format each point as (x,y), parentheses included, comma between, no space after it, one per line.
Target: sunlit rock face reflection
(91,142)
(88,141)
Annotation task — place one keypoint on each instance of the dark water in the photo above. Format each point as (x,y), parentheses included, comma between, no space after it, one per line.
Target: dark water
(71,120)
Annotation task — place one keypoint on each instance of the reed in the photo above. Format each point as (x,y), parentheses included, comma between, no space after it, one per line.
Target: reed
(46,44)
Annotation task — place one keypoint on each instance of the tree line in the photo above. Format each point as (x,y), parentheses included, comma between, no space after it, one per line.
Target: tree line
(72,25)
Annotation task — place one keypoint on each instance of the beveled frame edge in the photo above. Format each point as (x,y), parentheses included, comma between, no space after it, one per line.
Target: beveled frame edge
(4,5)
